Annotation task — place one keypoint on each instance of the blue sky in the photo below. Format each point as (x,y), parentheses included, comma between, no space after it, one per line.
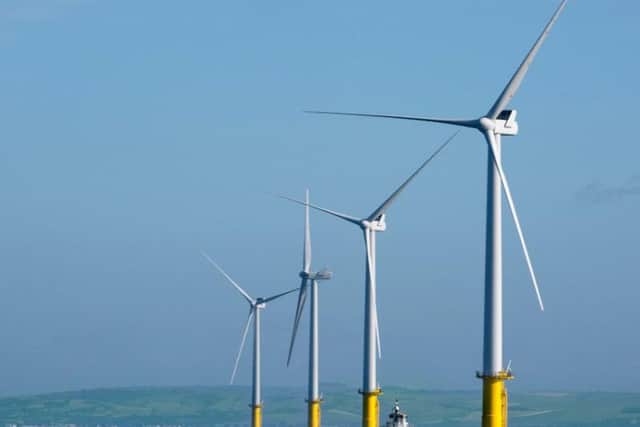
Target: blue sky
(135,134)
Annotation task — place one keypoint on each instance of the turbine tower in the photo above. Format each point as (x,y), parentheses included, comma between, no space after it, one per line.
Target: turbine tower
(309,284)
(255,305)
(371,225)
(498,121)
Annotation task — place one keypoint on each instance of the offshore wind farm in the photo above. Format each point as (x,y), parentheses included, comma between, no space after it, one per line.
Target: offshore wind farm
(213,172)
(497,122)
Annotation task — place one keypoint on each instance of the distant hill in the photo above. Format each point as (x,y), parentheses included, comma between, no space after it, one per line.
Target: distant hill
(211,406)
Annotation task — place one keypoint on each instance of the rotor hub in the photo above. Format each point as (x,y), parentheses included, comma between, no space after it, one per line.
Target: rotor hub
(487,124)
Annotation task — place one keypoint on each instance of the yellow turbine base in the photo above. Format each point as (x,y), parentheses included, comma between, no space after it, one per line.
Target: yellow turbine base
(494,400)
(314,413)
(256,416)
(371,409)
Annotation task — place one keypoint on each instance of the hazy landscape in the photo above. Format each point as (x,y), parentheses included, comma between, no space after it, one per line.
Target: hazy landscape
(208,406)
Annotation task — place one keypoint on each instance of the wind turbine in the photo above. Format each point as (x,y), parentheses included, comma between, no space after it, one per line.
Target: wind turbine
(309,284)
(496,122)
(255,305)
(371,225)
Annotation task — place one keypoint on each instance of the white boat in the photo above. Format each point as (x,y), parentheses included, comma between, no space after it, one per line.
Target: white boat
(397,418)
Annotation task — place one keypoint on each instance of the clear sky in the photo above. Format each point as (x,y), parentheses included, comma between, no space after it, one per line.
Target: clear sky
(135,134)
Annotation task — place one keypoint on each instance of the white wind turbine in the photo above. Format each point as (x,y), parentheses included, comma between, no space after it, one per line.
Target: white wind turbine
(255,305)
(309,284)
(370,225)
(496,122)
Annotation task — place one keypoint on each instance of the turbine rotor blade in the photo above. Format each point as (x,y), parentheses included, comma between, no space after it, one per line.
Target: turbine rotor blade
(455,122)
(244,338)
(507,192)
(345,217)
(242,291)
(377,326)
(266,300)
(306,257)
(302,298)
(385,205)
(512,87)
(372,278)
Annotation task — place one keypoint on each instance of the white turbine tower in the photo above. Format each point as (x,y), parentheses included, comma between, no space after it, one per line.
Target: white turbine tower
(370,225)
(255,305)
(309,284)
(497,122)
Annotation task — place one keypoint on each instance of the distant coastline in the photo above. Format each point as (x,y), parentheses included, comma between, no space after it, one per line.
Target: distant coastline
(284,406)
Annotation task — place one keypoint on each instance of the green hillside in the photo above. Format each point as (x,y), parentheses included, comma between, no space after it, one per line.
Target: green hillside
(209,406)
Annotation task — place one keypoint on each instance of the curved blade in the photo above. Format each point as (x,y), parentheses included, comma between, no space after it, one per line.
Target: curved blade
(455,122)
(372,278)
(306,256)
(507,192)
(512,87)
(385,205)
(377,326)
(242,291)
(345,217)
(266,300)
(302,298)
(244,338)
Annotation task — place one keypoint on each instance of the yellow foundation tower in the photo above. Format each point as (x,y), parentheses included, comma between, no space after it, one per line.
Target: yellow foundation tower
(256,416)
(314,413)
(494,399)
(371,408)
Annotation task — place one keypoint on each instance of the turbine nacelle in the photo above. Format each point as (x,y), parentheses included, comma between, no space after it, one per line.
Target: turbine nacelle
(505,123)
(260,303)
(377,224)
(320,275)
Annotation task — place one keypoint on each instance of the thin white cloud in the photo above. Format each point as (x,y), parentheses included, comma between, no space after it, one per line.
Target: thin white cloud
(597,192)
